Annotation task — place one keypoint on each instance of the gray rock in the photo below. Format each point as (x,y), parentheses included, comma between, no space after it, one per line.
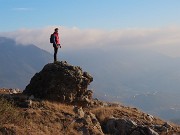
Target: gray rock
(78,111)
(120,126)
(160,128)
(150,117)
(62,82)
(167,125)
(143,130)
(31,97)
(152,132)
(25,104)
(87,123)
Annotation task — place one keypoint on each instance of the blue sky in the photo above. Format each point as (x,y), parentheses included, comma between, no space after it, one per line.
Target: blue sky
(101,14)
(143,24)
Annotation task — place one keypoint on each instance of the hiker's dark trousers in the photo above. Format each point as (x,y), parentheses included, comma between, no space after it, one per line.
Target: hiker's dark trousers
(55,52)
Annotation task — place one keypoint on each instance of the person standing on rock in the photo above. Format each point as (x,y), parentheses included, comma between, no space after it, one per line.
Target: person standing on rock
(56,42)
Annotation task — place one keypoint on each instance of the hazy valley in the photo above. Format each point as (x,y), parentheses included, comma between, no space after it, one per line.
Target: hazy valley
(144,79)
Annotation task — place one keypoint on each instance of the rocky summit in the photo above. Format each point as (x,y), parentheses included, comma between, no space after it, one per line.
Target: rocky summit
(62,82)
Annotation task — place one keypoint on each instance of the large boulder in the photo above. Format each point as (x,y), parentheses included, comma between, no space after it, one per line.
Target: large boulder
(118,126)
(62,82)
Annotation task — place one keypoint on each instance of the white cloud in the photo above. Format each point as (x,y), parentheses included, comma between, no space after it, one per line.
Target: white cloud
(21,9)
(163,40)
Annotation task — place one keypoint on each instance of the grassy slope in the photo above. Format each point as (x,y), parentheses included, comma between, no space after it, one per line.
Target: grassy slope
(51,118)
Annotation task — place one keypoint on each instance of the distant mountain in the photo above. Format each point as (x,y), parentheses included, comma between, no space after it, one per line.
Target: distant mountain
(18,63)
(140,78)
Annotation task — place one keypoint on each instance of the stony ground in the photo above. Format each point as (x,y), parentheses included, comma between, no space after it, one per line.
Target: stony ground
(41,117)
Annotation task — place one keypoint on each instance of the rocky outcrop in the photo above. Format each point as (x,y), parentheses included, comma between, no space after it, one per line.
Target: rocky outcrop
(119,126)
(87,121)
(125,126)
(62,82)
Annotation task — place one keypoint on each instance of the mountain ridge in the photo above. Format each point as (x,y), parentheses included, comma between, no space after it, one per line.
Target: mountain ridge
(19,62)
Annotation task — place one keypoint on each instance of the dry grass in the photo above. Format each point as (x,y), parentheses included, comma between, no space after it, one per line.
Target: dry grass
(9,113)
(42,118)
(124,112)
(134,114)
(103,113)
(52,118)
(49,118)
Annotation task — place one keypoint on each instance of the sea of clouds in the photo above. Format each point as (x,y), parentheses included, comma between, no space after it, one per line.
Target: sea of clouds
(164,40)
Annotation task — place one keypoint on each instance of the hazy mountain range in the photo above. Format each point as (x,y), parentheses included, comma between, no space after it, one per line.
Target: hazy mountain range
(19,63)
(144,79)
